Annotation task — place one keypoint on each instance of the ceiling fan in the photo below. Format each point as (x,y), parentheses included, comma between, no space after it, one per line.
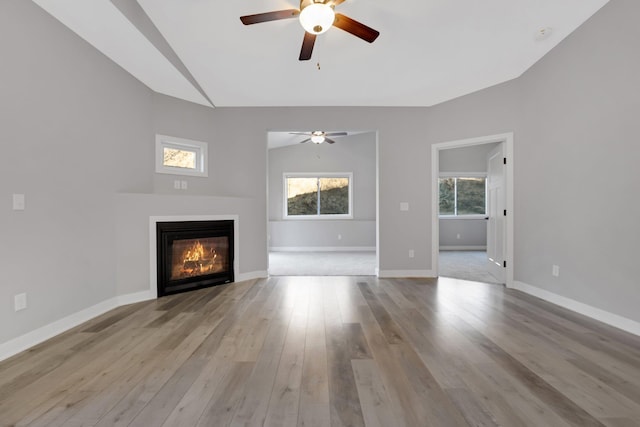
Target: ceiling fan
(318,136)
(316,17)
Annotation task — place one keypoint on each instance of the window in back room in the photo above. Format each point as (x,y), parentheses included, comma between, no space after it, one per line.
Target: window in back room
(462,195)
(318,196)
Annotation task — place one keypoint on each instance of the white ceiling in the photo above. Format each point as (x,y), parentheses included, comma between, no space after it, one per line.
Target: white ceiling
(429,51)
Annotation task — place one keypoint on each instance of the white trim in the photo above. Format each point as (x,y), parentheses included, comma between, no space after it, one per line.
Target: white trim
(322,249)
(35,337)
(260,274)
(133,298)
(153,220)
(462,174)
(406,273)
(603,316)
(508,140)
(474,217)
(30,339)
(198,147)
(463,248)
(285,206)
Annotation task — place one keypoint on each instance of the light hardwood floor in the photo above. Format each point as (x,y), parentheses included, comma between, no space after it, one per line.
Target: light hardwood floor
(320,351)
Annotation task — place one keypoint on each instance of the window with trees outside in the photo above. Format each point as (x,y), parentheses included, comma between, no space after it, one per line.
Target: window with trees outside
(317,196)
(179,156)
(463,195)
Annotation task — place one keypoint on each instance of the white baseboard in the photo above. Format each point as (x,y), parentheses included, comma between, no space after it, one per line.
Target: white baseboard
(611,319)
(261,274)
(463,248)
(322,249)
(406,273)
(134,298)
(28,340)
(39,335)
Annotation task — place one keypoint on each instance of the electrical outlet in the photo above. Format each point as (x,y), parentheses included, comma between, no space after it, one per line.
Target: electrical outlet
(411,253)
(20,302)
(184,185)
(18,202)
(555,271)
(458,236)
(176,184)
(339,236)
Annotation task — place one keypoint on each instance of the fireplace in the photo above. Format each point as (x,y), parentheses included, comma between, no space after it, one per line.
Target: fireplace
(193,255)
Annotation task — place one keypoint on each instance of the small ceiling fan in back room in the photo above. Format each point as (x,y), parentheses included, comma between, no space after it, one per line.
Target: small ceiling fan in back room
(318,136)
(316,17)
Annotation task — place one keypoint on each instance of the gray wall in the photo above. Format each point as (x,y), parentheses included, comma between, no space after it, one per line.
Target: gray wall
(463,234)
(577,170)
(575,119)
(354,153)
(77,130)
(78,136)
(465,159)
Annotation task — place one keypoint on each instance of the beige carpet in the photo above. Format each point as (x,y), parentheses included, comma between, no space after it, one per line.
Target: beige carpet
(466,265)
(322,263)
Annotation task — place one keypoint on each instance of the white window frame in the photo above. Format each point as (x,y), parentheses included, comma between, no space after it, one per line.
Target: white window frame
(285,206)
(464,175)
(199,147)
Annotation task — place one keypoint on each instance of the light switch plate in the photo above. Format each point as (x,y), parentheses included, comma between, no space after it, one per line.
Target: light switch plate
(18,202)
(20,302)
(404,206)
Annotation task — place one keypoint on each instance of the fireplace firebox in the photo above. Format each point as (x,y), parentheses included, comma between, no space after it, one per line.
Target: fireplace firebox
(193,255)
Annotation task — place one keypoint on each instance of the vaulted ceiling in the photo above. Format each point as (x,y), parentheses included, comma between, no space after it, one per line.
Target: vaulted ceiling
(428,51)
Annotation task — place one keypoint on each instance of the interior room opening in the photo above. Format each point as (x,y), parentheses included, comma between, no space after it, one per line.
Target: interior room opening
(322,202)
(472,190)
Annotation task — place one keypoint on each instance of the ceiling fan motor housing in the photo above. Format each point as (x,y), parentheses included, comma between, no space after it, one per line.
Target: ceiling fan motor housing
(316,17)
(305,3)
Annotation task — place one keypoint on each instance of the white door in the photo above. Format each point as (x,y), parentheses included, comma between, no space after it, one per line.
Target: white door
(496,213)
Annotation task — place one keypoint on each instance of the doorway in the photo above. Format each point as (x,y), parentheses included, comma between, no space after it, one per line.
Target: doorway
(322,201)
(498,241)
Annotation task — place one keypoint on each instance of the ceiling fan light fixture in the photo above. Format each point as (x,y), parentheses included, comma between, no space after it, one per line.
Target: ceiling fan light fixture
(317,18)
(317,137)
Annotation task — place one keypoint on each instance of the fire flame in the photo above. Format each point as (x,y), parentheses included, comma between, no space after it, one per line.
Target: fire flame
(195,253)
(197,260)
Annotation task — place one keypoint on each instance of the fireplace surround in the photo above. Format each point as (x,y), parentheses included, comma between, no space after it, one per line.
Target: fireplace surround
(193,254)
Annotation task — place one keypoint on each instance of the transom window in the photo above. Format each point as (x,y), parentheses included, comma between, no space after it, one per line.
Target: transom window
(463,195)
(179,156)
(317,195)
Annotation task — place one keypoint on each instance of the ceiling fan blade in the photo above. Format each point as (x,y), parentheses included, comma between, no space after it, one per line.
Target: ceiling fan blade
(356,28)
(269,16)
(329,141)
(336,134)
(306,140)
(335,2)
(307,46)
(298,133)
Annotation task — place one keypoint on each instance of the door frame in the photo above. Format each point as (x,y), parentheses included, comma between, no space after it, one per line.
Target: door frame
(507,139)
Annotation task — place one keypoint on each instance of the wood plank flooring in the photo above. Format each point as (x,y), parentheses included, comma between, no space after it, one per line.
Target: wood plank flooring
(330,351)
